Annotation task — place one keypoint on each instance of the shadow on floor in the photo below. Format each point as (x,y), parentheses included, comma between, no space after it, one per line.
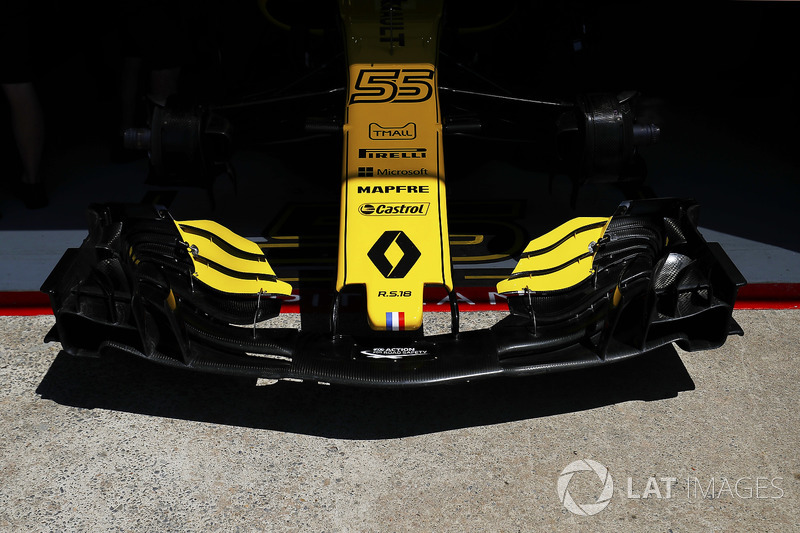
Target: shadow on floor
(137,386)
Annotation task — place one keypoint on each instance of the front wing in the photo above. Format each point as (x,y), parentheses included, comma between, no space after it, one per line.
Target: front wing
(137,286)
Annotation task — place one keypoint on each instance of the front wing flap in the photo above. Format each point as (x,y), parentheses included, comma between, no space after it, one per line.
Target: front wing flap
(133,287)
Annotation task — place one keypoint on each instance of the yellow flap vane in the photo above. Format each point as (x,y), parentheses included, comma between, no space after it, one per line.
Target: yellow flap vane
(558,259)
(228,262)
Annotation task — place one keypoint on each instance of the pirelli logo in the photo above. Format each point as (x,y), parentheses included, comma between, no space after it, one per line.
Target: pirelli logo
(392,153)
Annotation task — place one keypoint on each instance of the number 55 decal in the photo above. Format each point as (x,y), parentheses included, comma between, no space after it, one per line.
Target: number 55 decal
(392,85)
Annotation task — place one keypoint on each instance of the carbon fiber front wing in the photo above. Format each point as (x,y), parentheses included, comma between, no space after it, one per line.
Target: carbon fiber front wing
(130,288)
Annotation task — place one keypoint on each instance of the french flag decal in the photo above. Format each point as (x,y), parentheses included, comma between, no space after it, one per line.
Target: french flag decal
(395,321)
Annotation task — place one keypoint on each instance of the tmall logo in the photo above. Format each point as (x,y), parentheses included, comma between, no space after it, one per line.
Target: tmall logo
(377,254)
(585,509)
(381,133)
(366,172)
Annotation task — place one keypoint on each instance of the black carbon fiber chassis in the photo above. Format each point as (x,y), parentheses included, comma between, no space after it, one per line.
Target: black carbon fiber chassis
(656,282)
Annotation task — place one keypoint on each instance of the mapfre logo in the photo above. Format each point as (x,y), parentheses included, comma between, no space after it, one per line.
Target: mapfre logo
(381,133)
(395,208)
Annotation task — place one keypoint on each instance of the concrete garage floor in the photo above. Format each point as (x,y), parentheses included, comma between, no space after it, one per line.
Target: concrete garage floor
(123,445)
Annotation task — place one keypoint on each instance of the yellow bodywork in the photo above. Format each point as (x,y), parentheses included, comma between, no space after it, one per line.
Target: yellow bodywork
(393,236)
(228,262)
(558,259)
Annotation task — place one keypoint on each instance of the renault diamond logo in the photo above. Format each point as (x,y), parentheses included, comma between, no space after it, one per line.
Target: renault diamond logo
(377,254)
